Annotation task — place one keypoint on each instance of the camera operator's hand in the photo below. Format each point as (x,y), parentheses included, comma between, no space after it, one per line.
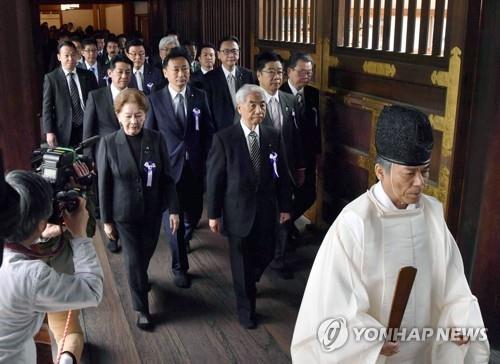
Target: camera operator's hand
(52,140)
(110,231)
(76,221)
(51,231)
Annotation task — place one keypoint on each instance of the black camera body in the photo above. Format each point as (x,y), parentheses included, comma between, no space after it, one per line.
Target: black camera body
(55,165)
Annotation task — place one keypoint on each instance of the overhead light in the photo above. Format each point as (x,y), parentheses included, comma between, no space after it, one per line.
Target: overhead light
(70,6)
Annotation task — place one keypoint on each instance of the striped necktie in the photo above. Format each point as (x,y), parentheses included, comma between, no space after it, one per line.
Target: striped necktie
(254,151)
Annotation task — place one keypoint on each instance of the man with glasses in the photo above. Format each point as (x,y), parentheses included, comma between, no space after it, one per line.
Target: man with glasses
(89,51)
(300,71)
(144,75)
(222,83)
(281,114)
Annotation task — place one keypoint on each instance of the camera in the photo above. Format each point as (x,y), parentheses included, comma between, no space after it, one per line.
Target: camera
(55,165)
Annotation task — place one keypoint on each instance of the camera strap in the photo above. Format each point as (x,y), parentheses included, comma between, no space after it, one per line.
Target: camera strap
(33,253)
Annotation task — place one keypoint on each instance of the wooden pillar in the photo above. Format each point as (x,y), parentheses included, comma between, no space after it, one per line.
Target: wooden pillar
(479,224)
(19,86)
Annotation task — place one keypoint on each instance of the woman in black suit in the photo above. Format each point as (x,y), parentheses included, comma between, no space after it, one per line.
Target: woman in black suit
(135,187)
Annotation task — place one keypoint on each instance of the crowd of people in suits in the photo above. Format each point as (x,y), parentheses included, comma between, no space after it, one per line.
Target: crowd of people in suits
(174,127)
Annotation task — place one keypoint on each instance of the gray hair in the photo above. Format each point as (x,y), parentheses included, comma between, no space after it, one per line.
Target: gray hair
(35,202)
(384,163)
(247,89)
(168,39)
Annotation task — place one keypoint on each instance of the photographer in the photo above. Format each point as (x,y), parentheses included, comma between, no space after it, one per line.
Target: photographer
(29,286)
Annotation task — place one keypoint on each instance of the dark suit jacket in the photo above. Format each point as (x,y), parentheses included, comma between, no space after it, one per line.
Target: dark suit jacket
(102,72)
(196,79)
(219,97)
(123,192)
(233,188)
(56,111)
(309,122)
(151,76)
(290,132)
(99,117)
(183,140)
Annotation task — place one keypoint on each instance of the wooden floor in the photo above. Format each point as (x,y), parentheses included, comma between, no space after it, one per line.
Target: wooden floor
(196,325)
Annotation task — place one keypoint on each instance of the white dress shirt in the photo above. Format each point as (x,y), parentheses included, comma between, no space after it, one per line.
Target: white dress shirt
(30,288)
(75,77)
(175,100)
(227,73)
(277,99)
(247,131)
(294,90)
(115,91)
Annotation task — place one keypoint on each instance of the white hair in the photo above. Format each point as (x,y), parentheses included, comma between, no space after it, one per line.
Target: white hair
(245,90)
(168,39)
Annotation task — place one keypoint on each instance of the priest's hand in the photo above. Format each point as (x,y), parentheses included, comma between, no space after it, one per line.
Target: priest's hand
(214,225)
(457,338)
(284,217)
(174,222)
(390,348)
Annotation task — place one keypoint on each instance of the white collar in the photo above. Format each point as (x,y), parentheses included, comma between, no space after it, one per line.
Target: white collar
(88,65)
(247,131)
(66,71)
(141,70)
(227,73)
(269,97)
(384,200)
(174,93)
(204,70)
(294,90)
(115,91)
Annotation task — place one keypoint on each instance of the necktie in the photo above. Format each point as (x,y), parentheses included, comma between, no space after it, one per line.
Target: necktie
(232,88)
(76,107)
(180,114)
(254,151)
(92,69)
(138,77)
(275,114)
(300,100)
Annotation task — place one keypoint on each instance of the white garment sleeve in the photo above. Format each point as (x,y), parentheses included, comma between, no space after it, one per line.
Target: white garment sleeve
(53,291)
(335,289)
(460,309)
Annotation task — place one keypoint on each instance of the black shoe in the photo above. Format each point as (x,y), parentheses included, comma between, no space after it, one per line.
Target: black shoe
(248,323)
(144,321)
(182,280)
(113,246)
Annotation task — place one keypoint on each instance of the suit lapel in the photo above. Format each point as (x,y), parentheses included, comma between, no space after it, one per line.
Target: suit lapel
(223,81)
(83,84)
(190,105)
(169,112)
(63,84)
(242,150)
(109,101)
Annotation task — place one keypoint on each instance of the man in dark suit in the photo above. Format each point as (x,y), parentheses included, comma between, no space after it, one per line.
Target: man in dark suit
(99,117)
(206,58)
(282,116)
(300,71)
(65,92)
(89,51)
(222,83)
(110,51)
(248,184)
(182,115)
(144,75)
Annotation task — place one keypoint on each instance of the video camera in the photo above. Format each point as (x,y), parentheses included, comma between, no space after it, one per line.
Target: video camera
(55,165)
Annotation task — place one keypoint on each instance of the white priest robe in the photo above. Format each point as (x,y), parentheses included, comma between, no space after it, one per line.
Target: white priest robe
(354,277)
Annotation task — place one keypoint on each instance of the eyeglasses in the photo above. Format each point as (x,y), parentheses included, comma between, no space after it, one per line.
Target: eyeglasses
(227,52)
(304,72)
(274,72)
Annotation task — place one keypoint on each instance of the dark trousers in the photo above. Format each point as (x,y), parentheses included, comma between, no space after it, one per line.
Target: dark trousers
(139,243)
(250,256)
(303,198)
(190,194)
